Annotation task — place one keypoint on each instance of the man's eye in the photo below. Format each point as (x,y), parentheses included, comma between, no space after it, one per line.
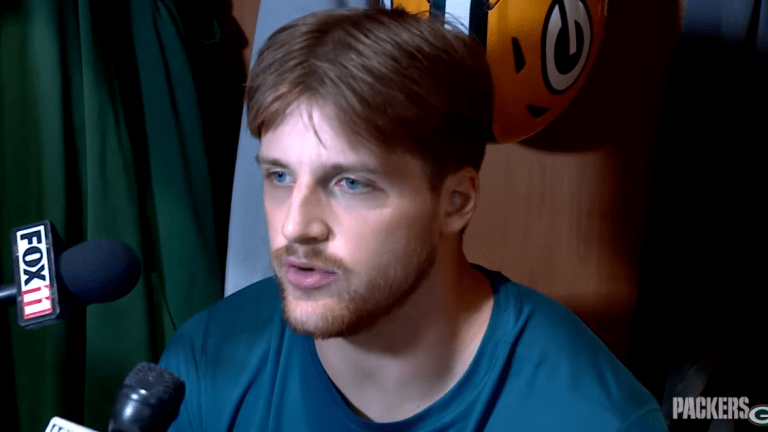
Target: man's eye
(278,177)
(354,185)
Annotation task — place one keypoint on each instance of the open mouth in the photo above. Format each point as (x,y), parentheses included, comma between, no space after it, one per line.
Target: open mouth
(309,277)
(305,269)
(303,275)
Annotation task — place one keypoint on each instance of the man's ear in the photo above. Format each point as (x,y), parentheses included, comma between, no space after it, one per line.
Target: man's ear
(459,199)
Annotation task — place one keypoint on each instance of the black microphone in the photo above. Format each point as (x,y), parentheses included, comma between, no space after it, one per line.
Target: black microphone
(148,401)
(51,284)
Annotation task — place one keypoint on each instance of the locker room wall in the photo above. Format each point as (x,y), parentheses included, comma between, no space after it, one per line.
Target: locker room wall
(565,212)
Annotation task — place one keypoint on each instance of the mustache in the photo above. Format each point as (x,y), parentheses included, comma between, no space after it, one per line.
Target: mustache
(312,256)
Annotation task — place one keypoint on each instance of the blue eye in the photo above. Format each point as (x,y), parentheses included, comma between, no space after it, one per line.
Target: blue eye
(354,185)
(278,177)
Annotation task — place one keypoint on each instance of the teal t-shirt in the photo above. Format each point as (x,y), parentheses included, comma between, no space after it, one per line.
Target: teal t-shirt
(538,368)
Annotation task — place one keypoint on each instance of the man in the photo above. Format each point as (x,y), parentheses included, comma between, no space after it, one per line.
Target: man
(373,126)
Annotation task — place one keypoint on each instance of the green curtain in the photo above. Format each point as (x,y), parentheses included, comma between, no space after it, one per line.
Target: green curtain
(101,133)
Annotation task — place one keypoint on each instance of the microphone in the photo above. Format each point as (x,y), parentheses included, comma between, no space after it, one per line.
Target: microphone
(50,284)
(148,401)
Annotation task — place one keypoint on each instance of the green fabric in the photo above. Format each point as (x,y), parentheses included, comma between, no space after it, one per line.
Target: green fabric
(101,133)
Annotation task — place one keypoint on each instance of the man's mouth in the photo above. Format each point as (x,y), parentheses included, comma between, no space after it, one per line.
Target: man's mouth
(307,276)
(304,266)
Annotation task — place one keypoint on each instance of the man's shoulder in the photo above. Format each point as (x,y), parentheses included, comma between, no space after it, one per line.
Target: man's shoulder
(249,308)
(224,349)
(541,324)
(564,364)
(254,303)
(527,313)
(247,318)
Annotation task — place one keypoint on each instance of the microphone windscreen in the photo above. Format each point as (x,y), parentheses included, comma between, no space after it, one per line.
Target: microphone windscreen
(167,389)
(148,401)
(99,271)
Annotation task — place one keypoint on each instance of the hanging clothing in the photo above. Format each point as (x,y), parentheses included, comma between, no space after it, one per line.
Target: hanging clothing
(100,132)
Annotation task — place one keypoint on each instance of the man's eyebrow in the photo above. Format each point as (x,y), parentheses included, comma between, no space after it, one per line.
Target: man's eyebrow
(332,169)
(265,160)
(358,168)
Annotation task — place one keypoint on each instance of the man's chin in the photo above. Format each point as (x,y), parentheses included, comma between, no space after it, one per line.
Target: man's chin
(329,323)
(314,318)
(317,332)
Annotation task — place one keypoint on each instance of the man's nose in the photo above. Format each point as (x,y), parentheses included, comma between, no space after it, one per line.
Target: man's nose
(305,222)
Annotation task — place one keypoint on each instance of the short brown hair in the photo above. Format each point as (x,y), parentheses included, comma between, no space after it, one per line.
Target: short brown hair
(394,80)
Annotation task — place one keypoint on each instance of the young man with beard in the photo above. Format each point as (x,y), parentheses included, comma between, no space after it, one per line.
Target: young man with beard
(373,126)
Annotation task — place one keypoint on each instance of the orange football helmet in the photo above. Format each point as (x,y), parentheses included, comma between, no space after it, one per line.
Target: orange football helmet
(539,51)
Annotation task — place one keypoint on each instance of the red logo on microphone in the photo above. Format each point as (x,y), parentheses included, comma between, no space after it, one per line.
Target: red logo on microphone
(35,278)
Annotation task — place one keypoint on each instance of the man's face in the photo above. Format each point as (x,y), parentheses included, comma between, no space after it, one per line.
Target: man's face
(352,230)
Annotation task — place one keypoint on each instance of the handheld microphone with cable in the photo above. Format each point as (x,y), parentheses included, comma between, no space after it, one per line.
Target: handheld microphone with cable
(51,283)
(148,401)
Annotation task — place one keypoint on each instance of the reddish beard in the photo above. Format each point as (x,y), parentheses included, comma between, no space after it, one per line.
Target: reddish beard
(361,301)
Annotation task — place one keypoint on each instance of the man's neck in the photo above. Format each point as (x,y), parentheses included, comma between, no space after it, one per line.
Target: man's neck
(416,354)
